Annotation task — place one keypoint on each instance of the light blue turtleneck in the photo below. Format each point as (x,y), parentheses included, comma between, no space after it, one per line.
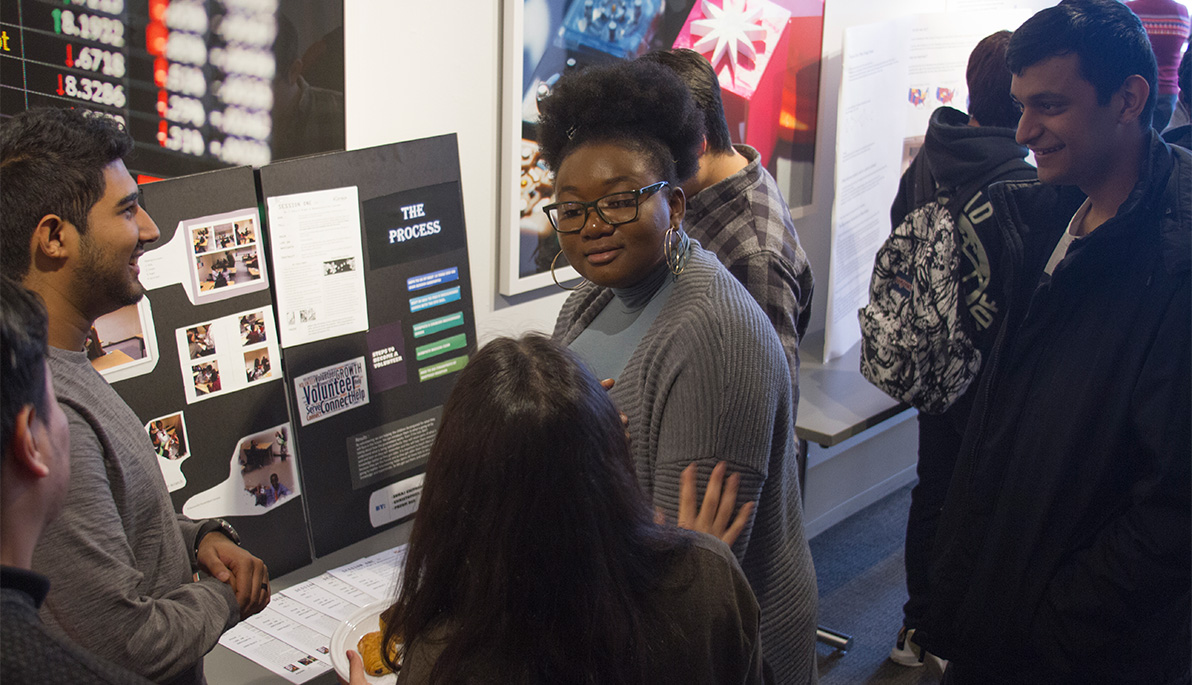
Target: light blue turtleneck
(613,335)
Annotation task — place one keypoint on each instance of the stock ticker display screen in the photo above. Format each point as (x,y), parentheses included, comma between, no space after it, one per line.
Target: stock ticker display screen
(199,84)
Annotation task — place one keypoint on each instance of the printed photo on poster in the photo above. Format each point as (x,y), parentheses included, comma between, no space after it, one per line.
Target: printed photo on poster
(212,354)
(123,344)
(266,470)
(252,328)
(199,342)
(226,256)
(168,435)
(257,365)
(206,378)
(339,266)
(331,390)
(262,475)
(171,444)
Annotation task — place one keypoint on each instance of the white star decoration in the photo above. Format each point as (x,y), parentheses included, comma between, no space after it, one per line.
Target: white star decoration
(728,31)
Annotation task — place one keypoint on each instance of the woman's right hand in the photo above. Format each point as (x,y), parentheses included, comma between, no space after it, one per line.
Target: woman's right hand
(715,513)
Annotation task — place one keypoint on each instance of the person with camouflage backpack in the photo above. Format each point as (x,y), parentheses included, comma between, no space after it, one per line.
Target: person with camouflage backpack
(935,300)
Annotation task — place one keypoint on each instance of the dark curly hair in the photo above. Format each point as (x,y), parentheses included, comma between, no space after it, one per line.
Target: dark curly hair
(640,105)
(52,161)
(1185,78)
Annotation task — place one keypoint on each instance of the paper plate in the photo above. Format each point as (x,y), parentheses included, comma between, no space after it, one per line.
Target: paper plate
(348,634)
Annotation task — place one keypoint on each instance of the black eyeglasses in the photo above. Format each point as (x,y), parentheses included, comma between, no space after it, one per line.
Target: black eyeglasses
(614,209)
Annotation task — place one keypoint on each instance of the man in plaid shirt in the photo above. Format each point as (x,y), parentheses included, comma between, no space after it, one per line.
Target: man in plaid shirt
(735,210)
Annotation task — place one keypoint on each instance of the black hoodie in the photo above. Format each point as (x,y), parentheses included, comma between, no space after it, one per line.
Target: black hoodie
(959,161)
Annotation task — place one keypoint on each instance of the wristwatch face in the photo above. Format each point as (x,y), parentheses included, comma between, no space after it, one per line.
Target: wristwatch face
(228,530)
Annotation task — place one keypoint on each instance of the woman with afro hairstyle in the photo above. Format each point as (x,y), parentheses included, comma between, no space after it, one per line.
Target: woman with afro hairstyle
(697,367)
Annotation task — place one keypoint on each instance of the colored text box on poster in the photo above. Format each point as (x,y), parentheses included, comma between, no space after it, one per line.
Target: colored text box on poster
(443,368)
(386,363)
(434,278)
(438,347)
(440,324)
(434,299)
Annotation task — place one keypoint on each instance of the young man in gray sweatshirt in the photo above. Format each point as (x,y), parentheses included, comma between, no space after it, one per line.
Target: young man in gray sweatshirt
(120,560)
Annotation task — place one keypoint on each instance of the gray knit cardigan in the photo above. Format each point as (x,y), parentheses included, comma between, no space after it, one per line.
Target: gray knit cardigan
(709,382)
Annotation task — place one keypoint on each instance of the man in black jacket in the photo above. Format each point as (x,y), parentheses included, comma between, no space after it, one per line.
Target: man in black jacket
(1064,553)
(962,153)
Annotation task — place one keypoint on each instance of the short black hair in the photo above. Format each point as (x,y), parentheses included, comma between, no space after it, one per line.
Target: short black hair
(52,161)
(697,72)
(988,80)
(22,355)
(1108,39)
(641,105)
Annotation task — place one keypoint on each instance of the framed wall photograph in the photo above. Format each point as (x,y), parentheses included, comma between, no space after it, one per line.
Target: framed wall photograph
(770,98)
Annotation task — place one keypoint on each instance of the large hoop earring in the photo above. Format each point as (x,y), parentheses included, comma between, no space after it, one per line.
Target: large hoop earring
(677,249)
(555,277)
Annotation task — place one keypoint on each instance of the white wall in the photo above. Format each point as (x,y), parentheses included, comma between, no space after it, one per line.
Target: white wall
(418,69)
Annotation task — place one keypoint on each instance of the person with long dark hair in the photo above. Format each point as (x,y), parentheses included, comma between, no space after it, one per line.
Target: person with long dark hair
(535,556)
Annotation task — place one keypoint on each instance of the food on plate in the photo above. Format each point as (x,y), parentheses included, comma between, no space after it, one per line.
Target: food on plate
(370,651)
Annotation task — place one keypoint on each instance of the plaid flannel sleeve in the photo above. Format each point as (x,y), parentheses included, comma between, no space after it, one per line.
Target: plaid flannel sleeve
(783,291)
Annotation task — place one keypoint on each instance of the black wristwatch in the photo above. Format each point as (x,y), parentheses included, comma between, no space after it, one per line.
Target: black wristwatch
(216,526)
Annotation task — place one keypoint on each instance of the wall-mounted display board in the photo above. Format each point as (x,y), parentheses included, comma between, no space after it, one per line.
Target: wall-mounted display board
(766,54)
(374,309)
(198,360)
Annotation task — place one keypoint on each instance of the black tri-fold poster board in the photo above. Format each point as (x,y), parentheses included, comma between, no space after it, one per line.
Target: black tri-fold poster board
(369,260)
(198,360)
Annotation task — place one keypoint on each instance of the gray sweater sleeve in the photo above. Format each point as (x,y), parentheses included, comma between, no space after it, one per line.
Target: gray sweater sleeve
(708,383)
(145,613)
(720,403)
